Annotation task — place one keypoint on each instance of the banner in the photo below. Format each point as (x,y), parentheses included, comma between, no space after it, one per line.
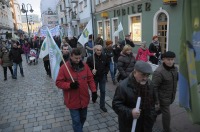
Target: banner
(44,51)
(120,28)
(85,34)
(189,75)
(54,31)
(54,55)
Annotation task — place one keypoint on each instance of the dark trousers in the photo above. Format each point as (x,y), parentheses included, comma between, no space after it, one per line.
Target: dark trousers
(47,67)
(166,117)
(5,71)
(101,84)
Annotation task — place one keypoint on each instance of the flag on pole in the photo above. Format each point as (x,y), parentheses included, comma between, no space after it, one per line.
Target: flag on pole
(85,34)
(54,55)
(44,50)
(189,75)
(120,28)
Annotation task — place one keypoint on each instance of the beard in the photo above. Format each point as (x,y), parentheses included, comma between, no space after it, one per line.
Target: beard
(143,82)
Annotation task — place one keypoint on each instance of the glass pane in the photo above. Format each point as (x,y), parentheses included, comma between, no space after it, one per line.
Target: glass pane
(136,28)
(107,30)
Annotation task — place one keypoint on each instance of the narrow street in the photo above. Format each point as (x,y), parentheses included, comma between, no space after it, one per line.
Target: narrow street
(34,103)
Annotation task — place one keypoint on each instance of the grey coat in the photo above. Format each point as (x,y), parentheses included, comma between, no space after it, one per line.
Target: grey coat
(165,84)
(6,59)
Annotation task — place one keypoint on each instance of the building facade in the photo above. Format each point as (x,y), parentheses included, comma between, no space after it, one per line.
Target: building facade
(31,18)
(142,19)
(18,15)
(6,18)
(49,16)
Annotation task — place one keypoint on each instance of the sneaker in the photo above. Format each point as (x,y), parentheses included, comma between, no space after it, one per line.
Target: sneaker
(104,109)
(22,75)
(5,79)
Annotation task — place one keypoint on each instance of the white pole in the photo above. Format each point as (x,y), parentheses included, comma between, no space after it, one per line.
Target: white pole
(135,120)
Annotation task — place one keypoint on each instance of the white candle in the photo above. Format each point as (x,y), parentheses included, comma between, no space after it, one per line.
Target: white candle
(137,108)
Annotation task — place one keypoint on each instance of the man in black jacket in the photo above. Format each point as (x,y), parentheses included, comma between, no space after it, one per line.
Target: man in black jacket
(128,41)
(99,71)
(15,54)
(125,98)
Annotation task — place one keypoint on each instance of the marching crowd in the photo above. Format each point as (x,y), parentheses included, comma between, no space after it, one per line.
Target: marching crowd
(129,73)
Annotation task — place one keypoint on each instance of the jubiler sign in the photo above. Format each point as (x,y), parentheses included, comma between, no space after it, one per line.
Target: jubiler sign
(132,9)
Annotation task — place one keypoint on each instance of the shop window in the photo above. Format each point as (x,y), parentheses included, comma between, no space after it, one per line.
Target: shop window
(107,30)
(100,28)
(136,28)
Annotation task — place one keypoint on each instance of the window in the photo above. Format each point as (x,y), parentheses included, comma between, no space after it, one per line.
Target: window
(115,28)
(61,19)
(97,2)
(107,30)
(60,7)
(136,28)
(100,28)
(85,3)
(81,6)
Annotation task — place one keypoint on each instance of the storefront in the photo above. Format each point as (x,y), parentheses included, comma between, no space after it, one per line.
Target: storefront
(142,20)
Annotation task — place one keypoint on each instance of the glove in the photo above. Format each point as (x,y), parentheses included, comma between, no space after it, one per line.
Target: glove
(94,97)
(74,85)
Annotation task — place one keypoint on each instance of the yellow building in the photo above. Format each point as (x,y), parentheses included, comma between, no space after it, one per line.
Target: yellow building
(33,27)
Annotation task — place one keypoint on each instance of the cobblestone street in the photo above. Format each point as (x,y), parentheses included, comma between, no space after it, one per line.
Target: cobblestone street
(34,103)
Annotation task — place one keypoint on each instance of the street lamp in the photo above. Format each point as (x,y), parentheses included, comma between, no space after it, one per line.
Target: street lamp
(25,10)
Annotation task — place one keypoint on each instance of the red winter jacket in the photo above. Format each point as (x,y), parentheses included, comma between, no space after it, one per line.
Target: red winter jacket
(143,54)
(76,98)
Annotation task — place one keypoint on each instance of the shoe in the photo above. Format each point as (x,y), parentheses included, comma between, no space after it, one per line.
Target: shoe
(5,79)
(14,78)
(104,109)
(22,75)
(114,82)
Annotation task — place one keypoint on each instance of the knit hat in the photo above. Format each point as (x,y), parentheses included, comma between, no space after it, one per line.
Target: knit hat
(109,42)
(143,67)
(168,54)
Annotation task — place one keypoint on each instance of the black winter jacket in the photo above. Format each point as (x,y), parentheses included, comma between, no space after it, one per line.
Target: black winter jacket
(101,65)
(124,101)
(15,54)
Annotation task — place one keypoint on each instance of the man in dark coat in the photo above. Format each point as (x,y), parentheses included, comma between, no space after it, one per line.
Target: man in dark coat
(99,71)
(15,54)
(125,98)
(164,81)
(128,41)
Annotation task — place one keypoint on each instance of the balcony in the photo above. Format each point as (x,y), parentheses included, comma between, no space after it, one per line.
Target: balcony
(75,17)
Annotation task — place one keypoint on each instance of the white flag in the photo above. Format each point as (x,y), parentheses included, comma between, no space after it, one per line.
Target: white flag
(85,34)
(120,28)
(44,51)
(54,55)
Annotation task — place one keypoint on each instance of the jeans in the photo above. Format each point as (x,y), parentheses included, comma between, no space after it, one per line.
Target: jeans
(112,71)
(15,69)
(78,118)
(102,84)
(27,56)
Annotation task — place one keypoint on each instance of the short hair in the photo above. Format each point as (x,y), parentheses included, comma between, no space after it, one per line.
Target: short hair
(126,48)
(76,51)
(64,45)
(97,46)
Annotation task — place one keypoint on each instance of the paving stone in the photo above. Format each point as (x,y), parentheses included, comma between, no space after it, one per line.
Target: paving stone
(32,120)
(23,121)
(49,117)
(47,126)
(102,125)
(93,127)
(38,128)
(28,125)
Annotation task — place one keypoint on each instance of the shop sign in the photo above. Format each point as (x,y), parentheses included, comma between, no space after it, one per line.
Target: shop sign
(132,9)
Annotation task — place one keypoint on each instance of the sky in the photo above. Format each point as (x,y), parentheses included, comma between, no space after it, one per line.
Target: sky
(35,5)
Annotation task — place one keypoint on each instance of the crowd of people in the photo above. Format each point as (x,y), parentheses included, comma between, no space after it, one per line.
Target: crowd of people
(128,72)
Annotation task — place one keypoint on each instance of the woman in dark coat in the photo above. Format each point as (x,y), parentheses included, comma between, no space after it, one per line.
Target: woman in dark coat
(154,47)
(6,62)
(126,62)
